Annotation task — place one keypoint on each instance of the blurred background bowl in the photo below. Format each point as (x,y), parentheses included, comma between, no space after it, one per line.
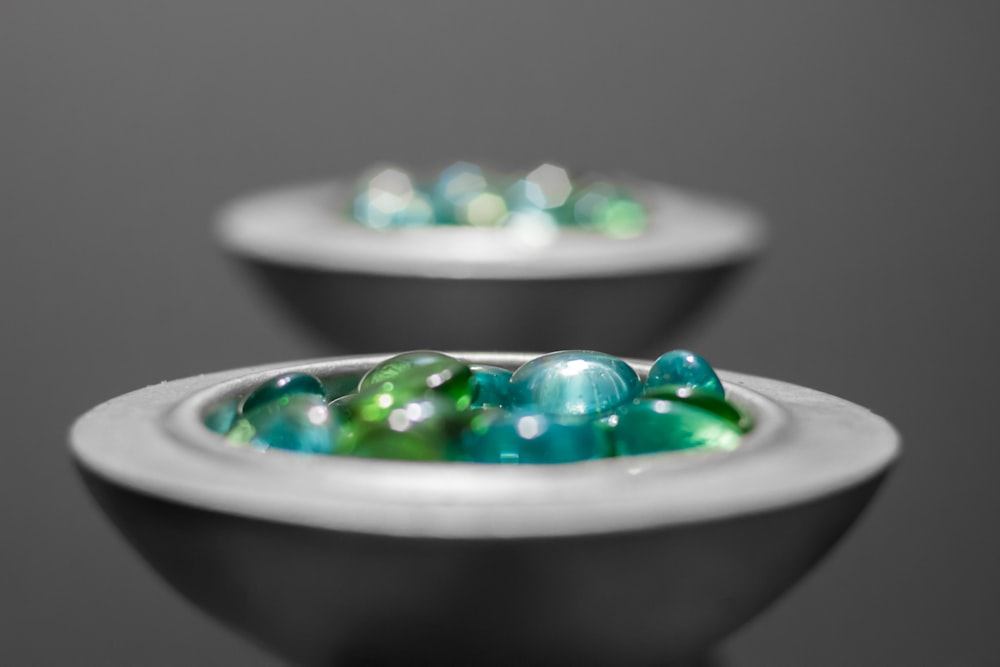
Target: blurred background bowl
(334,560)
(447,287)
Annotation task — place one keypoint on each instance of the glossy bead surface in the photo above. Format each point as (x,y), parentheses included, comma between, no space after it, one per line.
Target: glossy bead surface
(341,385)
(221,417)
(379,424)
(492,386)
(524,437)
(455,184)
(574,383)
(281,388)
(609,210)
(298,423)
(415,373)
(720,407)
(653,425)
(681,367)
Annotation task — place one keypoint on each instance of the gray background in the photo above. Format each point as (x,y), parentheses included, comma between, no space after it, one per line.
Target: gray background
(867,132)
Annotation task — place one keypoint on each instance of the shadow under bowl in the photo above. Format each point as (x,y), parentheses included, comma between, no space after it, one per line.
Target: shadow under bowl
(334,560)
(448,287)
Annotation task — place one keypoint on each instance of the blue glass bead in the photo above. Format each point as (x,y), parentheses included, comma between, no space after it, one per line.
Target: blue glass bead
(299,423)
(492,386)
(416,373)
(221,417)
(521,436)
(389,199)
(720,407)
(455,184)
(653,425)
(681,367)
(281,388)
(573,383)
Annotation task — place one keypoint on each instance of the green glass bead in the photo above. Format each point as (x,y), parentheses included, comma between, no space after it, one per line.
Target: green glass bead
(524,437)
(298,423)
(609,210)
(574,383)
(720,407)
(492,386)
(382,424)
(221,417)
(282,388)
(241,432)
(653,425)
(341,385)
(681,367)
(417,373)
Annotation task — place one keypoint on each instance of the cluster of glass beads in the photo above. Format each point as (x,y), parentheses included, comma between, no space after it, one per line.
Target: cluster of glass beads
(539,202)
(426,406)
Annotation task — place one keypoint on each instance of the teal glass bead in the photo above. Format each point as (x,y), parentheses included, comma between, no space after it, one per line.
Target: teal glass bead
(455,184)
(681,367)
(380,424)
(525,437)
(548,188)
(719,407)
(221,417)
(422,371)
(298,423)
(492,386)
(574,383)
(608,209)
(281,388)
(389,199)
(653,425)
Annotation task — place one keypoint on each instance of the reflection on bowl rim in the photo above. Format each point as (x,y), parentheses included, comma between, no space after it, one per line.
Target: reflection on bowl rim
(306,227)
(805,444)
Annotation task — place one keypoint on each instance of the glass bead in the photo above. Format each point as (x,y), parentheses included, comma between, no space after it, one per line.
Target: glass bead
(241,432)
(609,210)
(492,386)
(220,418)
(525,437)
(341,385)
(720,407)
(283,387)
(389,199)
(298,423)
(681,367)
(573,383)
(381,424)
(416,373)
(455,184)
(653,425)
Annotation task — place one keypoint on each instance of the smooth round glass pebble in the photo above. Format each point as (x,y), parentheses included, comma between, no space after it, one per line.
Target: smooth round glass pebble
(574,383)
(604,208)
(389,199)
(492,386)
(380,424)
(455,184)
(681,367)
(416,373)
(720,407)
(525,437)
(301,423)
(654,425)
(281,388)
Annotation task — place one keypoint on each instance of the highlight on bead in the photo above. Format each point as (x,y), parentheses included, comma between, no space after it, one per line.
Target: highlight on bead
(534,205)
(562,407)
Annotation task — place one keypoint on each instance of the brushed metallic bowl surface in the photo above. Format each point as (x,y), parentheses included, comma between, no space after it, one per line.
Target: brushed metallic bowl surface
(334,560)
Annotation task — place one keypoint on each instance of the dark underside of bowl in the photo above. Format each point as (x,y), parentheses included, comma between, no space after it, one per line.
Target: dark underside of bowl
(657,596)
(625,315)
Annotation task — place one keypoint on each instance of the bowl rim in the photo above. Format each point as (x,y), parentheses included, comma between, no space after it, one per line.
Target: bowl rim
(805,445)
(306,227)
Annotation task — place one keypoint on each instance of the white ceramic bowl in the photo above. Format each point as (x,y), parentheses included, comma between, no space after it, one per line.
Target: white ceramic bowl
(334,560)
(460,287)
